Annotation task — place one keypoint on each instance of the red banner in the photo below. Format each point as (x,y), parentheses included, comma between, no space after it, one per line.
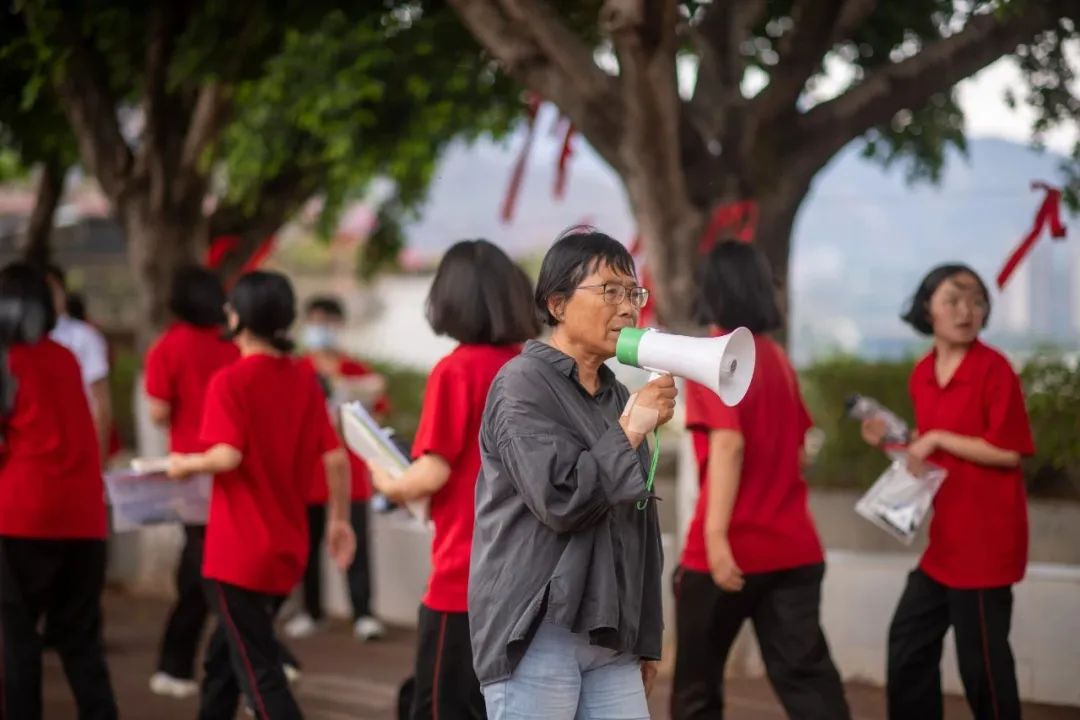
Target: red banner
(514,188)
(1049,213)
(221,247)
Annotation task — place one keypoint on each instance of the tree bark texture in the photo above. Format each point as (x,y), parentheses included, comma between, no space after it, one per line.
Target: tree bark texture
(50,189)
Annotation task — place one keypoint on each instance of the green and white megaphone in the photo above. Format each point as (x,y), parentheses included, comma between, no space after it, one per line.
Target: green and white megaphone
(723,364)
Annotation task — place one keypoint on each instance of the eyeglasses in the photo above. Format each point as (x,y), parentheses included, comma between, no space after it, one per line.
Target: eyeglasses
(614,293)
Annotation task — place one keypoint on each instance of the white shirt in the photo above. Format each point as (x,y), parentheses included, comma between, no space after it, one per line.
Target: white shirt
(87,344)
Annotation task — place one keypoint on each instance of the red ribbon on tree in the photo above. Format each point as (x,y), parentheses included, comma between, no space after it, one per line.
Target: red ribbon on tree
(565,153)
(1049,214)
(512,190)
(737,220)
(223,245)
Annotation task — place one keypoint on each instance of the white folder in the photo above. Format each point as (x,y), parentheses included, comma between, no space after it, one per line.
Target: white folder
(372,443)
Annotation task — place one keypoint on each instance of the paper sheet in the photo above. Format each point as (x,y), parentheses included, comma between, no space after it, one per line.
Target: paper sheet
(367,439)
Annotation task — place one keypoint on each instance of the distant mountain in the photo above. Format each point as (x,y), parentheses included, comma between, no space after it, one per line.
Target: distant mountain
(863,238)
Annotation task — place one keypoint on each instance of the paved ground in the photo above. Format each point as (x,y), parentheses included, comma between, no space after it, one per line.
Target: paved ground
(347,680)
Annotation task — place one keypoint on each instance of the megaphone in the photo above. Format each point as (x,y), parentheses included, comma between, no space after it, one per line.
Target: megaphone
(723,364)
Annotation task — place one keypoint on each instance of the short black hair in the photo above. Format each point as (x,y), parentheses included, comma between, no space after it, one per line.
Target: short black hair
(26,309)
(736,289)
(76,306)
(197,297)
(577,252)
(265,306)
(327,305)
(917,314)
(55,272)
(480,297)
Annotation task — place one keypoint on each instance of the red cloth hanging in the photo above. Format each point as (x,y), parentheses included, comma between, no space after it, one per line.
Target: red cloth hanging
(1049,213)
(516,176)
(736,220)
(565,153)
(224,245)
(219,249)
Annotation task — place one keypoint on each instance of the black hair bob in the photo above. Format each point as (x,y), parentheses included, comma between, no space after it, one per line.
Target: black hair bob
(735,289)
(327,305)
(480,297)
(265,306)
(197,297)
(917,314)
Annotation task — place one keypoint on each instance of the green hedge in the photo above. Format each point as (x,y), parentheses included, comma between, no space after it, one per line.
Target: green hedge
(1052,389)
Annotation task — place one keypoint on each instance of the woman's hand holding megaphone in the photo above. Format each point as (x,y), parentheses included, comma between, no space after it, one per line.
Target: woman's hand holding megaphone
(649,408)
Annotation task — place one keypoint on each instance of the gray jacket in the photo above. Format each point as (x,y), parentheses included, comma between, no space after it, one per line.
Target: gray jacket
(558,534)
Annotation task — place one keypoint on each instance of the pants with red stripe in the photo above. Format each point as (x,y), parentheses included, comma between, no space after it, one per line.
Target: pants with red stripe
(980,620)
(244,655)
(446,686)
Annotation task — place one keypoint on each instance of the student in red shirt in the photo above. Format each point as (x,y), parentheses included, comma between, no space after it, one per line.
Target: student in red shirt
(52,509)
(178,369)
(484,301)
(971,420)
(752,552)
(265,424)
(344,379)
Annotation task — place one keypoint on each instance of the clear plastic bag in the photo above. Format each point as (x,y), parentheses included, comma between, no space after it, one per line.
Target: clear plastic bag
(141,499)
(899,501)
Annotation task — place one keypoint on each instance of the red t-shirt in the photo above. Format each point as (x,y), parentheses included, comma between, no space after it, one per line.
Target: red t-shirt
(454,401)
(771,528)
(273,411)
(178,369)
(319,493)
(50,466)
(979,532)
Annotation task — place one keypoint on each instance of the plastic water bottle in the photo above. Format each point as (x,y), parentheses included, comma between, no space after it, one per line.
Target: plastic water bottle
(862,407)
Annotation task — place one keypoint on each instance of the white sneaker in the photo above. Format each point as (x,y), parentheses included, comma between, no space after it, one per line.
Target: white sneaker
(300,625)
(174,687)
(368,628)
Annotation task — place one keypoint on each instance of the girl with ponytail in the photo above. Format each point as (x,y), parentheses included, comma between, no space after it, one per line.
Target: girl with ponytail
(266,424)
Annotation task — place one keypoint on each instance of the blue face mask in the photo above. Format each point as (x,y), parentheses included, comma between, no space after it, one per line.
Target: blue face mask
(319,337)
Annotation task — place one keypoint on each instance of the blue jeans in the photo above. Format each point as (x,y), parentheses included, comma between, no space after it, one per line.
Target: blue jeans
(563,677)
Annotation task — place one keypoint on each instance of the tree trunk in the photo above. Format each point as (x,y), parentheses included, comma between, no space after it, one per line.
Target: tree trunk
(38,247)
(159,243)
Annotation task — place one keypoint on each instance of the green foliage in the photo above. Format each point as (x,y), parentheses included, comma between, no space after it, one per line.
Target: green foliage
(339,102)
(845,460)
(1051,389)
(33,128)
(405,387)
(124,365)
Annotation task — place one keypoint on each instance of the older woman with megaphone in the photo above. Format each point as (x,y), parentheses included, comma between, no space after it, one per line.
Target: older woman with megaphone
(564,590)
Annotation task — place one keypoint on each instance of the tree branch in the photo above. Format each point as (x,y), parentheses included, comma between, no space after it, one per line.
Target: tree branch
(83,90)
(158,155)
(207,120)
(912,82)
(717,100)
(38,248)
(534,47)
(853,14)
(801,52)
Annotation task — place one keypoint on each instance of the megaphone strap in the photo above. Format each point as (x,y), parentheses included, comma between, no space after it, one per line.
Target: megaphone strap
(653,461)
